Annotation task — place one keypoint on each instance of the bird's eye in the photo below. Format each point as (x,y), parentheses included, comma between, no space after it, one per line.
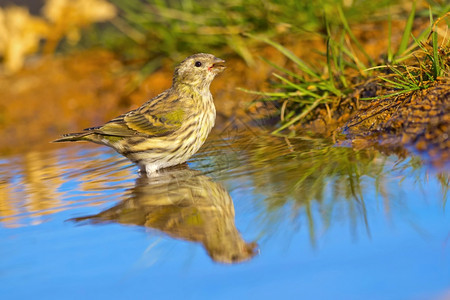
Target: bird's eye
(198,64)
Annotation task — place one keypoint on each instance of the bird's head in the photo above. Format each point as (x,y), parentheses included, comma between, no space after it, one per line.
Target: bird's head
(198,70)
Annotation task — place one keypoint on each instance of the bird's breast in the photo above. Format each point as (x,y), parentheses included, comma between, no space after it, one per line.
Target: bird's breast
(199,124)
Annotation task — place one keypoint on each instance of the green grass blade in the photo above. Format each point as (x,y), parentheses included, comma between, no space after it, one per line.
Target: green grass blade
(330,54)
(276,95)
(358,63)
(394,94)
(281,69)
(296,86)
(331,57)
(394,83)
(268,94)
(436,58)
(304,113)
(390,54)
(286,52)
(407,31)
(352,36)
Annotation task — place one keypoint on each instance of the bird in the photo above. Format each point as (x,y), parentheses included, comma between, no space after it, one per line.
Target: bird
(168,129)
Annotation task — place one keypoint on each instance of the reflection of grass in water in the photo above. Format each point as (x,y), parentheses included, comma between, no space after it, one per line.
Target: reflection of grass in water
(306,181)
(444,180)
(310,177)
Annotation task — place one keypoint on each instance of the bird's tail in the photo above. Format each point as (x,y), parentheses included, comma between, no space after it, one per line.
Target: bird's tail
(73,137)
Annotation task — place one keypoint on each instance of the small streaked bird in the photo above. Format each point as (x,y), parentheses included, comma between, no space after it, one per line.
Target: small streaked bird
(169,128)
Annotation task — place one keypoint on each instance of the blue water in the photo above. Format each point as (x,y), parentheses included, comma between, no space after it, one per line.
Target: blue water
(389,239)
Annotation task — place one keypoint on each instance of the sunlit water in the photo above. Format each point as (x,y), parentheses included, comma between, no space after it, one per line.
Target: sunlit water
(250,217)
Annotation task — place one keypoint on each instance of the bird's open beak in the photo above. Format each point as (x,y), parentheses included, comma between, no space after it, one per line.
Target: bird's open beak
(218,63)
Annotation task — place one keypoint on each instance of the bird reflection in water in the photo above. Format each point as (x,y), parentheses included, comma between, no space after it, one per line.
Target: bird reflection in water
(183,204)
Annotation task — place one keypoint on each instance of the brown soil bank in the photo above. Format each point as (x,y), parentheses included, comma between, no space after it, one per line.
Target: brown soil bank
(417,121)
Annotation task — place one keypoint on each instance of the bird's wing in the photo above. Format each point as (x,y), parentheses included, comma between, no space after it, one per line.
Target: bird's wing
(160,116)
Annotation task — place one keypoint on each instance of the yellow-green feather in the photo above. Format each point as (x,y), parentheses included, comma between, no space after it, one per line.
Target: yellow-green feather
(167,129)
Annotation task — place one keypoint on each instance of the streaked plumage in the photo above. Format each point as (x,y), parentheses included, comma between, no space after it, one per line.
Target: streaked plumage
(169,128)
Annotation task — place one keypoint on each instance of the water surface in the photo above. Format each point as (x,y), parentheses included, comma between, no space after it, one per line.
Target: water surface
(250,216)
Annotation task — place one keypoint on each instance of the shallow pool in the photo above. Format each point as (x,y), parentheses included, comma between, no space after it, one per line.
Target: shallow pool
(250,217)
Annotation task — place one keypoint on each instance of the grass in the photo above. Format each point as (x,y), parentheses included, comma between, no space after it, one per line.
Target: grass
(147,30)
(416,64)
(428,66)
(429,62)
